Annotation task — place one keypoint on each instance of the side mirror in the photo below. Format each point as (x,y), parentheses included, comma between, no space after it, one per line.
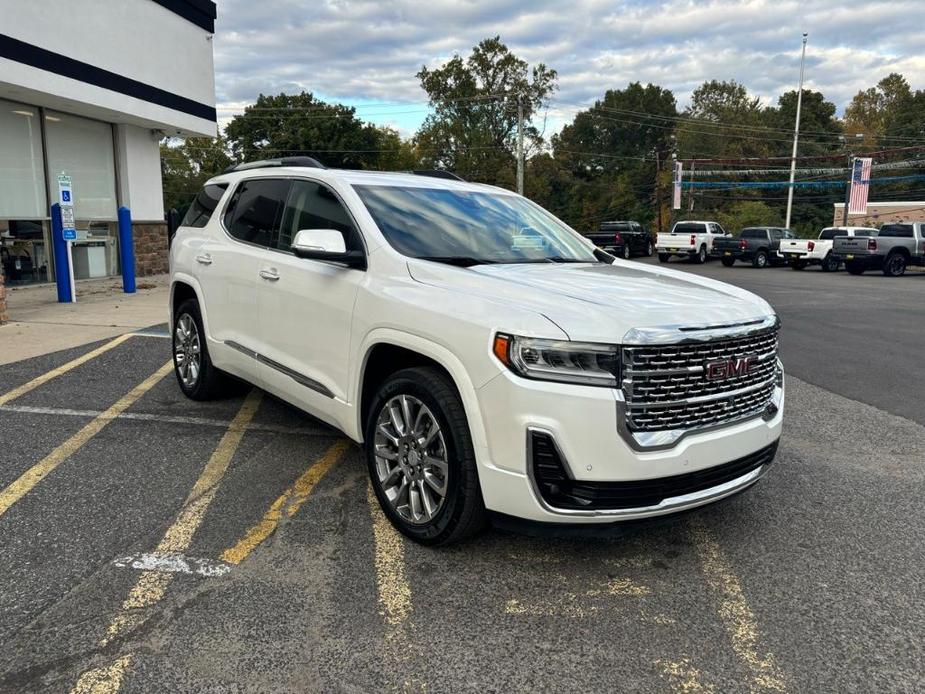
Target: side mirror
(326,244)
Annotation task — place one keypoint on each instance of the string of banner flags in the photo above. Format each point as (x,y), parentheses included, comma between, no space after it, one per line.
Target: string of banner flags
(860,182)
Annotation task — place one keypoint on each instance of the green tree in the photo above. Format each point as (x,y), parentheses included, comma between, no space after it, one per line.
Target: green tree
(723,120)
(886,114)
(299,124)
(187,164)
(746,213)
(473,127)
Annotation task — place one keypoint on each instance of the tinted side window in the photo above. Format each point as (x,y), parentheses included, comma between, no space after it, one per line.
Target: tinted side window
(688,228)
(200,212)
(254,212)
(754,234)
(832,233)
(314,206)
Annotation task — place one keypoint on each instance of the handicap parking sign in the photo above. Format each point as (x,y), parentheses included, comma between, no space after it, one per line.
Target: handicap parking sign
(70,234)
(65,196)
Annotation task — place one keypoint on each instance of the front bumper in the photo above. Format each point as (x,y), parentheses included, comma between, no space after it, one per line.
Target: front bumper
(583,422)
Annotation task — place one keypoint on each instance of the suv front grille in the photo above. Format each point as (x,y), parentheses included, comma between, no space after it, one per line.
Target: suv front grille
(561,492)
(666,387)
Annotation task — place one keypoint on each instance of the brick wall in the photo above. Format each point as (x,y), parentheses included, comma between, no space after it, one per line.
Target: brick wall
(150,248)
(3,315)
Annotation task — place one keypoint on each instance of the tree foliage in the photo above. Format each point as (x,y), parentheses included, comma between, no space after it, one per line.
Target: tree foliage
(472,129)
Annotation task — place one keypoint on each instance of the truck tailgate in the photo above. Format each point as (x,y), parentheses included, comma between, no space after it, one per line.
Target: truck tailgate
(852,246)
(670,242)
(727,243)
(797,246)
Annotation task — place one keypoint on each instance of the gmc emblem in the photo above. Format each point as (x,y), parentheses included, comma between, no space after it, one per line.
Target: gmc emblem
(731,368)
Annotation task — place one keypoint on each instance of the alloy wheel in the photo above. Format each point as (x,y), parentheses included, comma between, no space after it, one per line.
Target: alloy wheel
(187,350)
(626,252)
(411,459)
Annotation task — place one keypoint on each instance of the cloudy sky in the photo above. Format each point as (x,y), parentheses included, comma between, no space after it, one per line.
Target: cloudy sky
(365,52)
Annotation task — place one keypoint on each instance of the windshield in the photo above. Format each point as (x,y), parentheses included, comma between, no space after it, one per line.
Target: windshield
(469,228)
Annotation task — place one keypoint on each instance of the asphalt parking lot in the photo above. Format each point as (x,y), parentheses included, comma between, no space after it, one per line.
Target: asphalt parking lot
(149,543)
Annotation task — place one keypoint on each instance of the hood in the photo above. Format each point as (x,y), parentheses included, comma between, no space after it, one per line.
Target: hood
(597,302)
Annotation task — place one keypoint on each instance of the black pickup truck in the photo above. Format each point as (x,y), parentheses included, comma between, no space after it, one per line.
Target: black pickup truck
(623,239)
(759,246)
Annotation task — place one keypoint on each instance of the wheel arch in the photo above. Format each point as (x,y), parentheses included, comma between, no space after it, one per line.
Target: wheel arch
(388,351)
(183,288)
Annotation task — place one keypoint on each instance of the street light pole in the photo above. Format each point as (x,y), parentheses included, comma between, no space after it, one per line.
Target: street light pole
(796,137)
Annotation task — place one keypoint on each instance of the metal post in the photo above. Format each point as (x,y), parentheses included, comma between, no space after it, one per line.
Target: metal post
(520,145)
(844,214)
(59,246)
(126,250)
(796,137)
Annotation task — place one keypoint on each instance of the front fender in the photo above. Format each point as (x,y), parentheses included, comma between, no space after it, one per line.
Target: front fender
(440,354)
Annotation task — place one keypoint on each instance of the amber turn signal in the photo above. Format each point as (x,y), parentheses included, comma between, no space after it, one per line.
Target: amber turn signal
(500,348)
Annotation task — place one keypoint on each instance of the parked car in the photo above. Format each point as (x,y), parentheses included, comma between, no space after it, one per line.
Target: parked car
(759,246)
(692,240)
(802,252)
(623,239)
(480,367)
(896,247)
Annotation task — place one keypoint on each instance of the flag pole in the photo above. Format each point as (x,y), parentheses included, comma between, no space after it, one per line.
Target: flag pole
(796,136)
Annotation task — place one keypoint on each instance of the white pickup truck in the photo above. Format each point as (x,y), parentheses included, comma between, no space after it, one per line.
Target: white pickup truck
(802,252)
(692,240)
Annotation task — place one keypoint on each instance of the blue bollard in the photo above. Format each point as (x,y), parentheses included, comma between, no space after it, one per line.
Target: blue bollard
(62,269)
(126,250)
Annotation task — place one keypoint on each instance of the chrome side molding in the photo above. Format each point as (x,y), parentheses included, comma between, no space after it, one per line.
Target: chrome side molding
(301,379)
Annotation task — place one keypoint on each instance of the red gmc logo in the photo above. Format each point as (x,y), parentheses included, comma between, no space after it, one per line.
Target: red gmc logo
(731,368)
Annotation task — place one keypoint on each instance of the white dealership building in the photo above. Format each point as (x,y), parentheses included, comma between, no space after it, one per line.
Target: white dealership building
(88,88)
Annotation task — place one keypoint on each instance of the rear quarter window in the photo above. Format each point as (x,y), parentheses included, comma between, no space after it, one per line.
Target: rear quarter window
(754,234)
(200,212)
(902,231)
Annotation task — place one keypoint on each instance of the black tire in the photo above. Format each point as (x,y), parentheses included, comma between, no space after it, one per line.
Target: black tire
(798,264)
(210,383)
(760,260)
(831,263)
(728,262)
(854,268)
(663,257)
(895,265)
(650,249)
(625,252)
(462,513)
(701,257)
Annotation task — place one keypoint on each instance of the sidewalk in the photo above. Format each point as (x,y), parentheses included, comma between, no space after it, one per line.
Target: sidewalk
(39,324)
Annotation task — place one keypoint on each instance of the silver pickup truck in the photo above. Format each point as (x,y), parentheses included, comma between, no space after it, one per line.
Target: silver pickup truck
(896,247)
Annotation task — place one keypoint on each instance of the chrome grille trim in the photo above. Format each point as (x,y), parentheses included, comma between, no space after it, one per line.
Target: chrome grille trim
(665,393)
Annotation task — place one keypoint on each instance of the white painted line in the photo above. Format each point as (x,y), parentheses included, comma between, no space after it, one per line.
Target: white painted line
(174,563)
(167,419)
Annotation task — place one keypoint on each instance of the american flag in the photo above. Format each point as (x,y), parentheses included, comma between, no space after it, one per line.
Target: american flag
(860,184)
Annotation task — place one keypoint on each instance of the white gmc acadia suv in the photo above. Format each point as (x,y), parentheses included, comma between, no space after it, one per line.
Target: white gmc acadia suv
(486,355)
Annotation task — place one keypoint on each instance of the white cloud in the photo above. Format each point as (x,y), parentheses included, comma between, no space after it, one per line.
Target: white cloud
(367,51)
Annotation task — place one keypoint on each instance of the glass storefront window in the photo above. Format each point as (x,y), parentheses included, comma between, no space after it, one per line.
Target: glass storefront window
(83,149)
(24,252)
(22,168)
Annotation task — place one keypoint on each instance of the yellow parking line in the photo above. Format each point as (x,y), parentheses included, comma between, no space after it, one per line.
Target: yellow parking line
(737,616)
(152,585)
(289,503)
(64,368)
(394,589)
(31,477)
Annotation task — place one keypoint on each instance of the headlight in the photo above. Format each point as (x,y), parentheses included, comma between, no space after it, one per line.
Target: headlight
(586,363)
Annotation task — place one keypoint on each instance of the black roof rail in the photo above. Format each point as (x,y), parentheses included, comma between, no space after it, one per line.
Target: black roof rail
(307,162)
(438,173)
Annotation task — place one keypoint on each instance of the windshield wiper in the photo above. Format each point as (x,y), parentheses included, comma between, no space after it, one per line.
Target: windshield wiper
(458,260)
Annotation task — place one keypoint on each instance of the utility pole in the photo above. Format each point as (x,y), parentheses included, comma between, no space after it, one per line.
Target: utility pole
(796,136)
(658,190)
(520,145)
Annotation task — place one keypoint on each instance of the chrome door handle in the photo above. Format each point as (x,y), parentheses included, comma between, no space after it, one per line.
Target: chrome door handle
(204,259)
(271,275)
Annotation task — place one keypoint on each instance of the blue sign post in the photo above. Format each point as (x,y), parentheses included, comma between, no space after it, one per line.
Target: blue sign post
(126,250)
(62,264)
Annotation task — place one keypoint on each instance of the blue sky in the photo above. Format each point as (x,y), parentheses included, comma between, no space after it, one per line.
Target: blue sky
(366,52)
